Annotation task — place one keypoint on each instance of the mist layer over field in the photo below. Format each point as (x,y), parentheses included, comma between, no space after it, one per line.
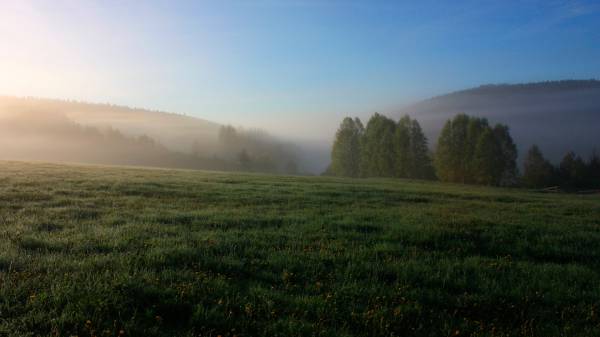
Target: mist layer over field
(53,130)
(557,116)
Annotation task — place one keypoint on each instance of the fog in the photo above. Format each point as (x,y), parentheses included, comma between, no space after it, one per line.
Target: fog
(557,116)
(175,131)
(54,130)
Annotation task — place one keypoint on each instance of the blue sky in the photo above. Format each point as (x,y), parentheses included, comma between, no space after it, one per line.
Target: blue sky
(294,67)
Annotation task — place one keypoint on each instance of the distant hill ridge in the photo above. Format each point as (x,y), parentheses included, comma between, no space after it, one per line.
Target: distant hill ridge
(86,104)
(559,116)
(533,87)
(176,131)
(48,129)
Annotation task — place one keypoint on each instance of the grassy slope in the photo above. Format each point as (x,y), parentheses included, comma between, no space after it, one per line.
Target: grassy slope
(93,250)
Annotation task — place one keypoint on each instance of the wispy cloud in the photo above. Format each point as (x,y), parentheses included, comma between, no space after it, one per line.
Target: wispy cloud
(553,14)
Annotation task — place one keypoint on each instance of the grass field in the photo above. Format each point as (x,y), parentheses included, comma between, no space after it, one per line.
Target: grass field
(100,251)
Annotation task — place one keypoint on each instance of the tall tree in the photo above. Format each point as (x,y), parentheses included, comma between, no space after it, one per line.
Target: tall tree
(412,158)
(487,169)
(469,150)
(402,148)
(572,171)
(422,166)
(378,157)
(476,127)
(593,171)
(345,154)
(538,172)
(508,155)
(451,155)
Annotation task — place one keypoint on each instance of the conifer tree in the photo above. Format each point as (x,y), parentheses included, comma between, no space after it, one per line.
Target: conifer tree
(475,129)
(422,166)
(487,169)
(538,172)
(402,148)
(451,151)
(508,155)
(378,157)
(572,171)
(345,154)
(593,171)
(470,151)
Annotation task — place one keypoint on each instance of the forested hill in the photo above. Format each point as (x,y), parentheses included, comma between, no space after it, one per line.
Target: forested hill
(56,130)
(53,137)
(175,131)
(558,116)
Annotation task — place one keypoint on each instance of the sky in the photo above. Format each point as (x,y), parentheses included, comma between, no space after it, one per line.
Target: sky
(292,67)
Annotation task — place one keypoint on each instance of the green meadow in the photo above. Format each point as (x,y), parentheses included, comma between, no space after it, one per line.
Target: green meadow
(113,251)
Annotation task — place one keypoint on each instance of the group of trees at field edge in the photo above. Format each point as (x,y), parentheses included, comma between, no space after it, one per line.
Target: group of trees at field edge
(573,173)
(382,148)
(469,150)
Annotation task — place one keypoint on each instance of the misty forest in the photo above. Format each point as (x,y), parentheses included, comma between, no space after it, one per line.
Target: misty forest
(462,149)
(299,168)
(34,129)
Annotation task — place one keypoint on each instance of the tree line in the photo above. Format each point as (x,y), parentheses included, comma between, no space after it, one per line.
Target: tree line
(384,148)
(469,150)
(572,173)
(55,137)
(257,151)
